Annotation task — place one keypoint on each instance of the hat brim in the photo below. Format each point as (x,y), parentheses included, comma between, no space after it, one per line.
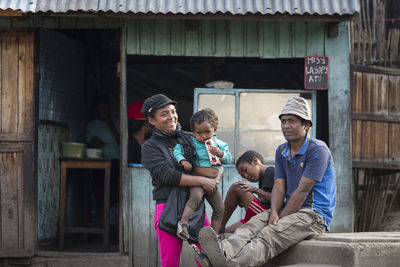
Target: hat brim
(163,104)
(298,114)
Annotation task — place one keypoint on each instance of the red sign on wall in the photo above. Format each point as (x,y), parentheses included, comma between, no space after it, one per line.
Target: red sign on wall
(316,72)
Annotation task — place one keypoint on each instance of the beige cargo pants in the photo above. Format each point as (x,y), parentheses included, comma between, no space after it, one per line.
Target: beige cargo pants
(256,242)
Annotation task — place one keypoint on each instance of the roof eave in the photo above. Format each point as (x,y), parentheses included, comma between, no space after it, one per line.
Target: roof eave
(208,16)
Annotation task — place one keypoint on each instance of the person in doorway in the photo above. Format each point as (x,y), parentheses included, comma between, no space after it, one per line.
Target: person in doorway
(157,153)
(302,203)
(103,132)
(139,131)
(251,167)
(211,152)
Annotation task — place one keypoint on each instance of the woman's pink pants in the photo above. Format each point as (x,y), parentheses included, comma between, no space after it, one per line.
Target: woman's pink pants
(170,245)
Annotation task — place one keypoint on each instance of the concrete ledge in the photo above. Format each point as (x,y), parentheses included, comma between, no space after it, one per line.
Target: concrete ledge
(65,259)
(344,249)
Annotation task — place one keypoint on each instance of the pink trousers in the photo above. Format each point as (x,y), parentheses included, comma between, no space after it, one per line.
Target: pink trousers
(170,245)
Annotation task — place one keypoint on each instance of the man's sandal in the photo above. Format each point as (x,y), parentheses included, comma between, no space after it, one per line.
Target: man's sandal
(182,231)
(213,248)
(200,256)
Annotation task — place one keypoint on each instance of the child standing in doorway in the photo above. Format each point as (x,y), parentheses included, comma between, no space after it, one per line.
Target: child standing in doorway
(210,154)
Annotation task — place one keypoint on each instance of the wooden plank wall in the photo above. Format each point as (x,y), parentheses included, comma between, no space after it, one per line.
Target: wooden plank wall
(375,143)
(374,37)
(143,237)
(376,121)
(225,38)
(16,143)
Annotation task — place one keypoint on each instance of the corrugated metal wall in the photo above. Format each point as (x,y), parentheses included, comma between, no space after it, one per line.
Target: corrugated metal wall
(225,38)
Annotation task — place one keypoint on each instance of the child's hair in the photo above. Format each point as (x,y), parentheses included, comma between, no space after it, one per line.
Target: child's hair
(248,157)
(203,115)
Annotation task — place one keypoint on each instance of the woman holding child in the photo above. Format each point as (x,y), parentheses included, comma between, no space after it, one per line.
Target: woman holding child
(158,158)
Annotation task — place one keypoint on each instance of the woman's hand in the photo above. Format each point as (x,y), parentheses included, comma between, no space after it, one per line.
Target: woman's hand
(209,185)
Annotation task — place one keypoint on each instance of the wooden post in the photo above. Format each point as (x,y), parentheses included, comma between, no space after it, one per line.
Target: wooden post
(339,127)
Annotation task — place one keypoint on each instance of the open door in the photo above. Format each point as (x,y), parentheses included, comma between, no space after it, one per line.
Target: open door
(16,143)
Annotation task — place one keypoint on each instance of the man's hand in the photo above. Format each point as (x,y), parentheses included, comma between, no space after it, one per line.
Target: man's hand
(273,217)
(186,165)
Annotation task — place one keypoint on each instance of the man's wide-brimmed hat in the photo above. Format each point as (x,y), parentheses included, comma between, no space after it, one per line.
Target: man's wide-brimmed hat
(155,102)
(297,106)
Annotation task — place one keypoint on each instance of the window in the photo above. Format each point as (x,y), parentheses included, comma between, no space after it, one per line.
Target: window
(248,119)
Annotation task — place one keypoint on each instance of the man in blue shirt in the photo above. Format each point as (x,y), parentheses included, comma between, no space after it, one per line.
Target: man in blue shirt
(302,202)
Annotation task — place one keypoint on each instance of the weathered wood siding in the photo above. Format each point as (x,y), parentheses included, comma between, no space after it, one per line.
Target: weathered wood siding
(16,143)
(225,38)
(142,234)
(59,22)
(376,123)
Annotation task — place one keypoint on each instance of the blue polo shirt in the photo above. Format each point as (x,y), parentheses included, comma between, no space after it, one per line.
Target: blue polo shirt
(314,161)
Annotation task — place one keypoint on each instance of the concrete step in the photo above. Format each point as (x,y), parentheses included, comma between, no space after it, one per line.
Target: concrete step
(367,249)
(310,265)
(70,259)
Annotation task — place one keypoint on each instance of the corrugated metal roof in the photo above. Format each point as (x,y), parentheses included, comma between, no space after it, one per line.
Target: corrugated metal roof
(234,7)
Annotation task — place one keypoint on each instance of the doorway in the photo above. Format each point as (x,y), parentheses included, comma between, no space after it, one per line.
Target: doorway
(77,68)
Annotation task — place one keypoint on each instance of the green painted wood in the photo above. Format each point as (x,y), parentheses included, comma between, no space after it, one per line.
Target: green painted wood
(192,41)
(269,44)
(49,22)
(68,23)
(25,23)
(142,218)
(5,23)
(299,37)
(251,40)
(207,33)
(161,37)
(126,226)
(100,23)
(235,39)
(177,40)
(115,23)
(337,49)
(146,37)
(221,30)
(85,23)
(208,38)
(284,39)
(132,45)
(316,39)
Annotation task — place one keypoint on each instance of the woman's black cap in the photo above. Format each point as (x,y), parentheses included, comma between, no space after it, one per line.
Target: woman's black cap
(155,102)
